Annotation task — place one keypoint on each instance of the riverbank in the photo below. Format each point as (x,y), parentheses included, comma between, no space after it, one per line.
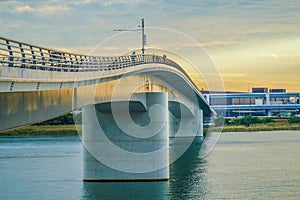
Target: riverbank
(71,129)
(42,130)
(273,126)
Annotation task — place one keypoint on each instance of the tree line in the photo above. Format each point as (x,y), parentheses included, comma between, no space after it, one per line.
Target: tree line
(62,120)
(249,120)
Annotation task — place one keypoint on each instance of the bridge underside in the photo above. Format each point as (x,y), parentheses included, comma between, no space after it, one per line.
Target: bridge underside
(177,121)
(29,107)
(129,140)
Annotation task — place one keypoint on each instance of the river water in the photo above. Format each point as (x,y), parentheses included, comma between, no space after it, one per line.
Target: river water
(258,165)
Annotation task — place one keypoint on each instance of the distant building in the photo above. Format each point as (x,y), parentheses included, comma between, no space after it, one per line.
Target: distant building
(259,90)
(261,102)
(277,90)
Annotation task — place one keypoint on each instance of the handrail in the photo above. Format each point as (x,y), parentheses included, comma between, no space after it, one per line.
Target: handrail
(23,55)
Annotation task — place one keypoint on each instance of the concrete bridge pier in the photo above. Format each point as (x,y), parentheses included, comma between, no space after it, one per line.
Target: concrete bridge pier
(186,129)
(116,148)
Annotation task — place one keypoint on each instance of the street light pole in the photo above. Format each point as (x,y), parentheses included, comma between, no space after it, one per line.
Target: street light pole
(143,37)
(137,30)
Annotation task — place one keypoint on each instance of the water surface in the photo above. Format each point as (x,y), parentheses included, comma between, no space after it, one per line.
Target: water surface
(259,165)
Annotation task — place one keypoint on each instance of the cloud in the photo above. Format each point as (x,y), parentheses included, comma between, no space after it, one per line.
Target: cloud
(50,10)
(25,8)
(277,55)
(46,10)
(74,2)
(84,2)
(232,75)
(100,2)
(112,2)
(274,55)
(221,43)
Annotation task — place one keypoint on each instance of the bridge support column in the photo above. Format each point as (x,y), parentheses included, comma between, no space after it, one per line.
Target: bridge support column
(186,130)
(184,123)
(134,152)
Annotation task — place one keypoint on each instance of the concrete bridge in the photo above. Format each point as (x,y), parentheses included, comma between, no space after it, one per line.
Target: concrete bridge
(139,104)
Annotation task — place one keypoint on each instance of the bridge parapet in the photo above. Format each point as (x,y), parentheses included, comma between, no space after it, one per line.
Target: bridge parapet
(22,55)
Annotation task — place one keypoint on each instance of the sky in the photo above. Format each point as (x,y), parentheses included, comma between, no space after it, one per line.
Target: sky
(252,43)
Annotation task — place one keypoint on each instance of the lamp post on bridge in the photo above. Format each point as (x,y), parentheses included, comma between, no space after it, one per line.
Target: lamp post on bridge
(142,26)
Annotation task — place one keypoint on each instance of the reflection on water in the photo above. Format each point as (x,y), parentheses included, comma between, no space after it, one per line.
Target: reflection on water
(126,190)
(188,174)
(187,181)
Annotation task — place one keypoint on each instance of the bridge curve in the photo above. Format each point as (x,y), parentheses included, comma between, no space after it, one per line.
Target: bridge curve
(156,106)
(29,71)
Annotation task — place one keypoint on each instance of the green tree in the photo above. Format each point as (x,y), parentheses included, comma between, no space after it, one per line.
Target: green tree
(62,120)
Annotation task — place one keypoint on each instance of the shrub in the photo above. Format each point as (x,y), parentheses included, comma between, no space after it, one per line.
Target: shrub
(247,121)
(266,120)
(294,119)
(219,121)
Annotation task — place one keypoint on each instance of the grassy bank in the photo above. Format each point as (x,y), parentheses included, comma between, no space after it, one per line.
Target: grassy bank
(273,126)
(71,129)
(42,130)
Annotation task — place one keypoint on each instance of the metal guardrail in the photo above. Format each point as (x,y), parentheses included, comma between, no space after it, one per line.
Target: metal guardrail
(22,55)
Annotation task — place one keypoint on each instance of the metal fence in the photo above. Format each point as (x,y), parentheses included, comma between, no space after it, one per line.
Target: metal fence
(22,55)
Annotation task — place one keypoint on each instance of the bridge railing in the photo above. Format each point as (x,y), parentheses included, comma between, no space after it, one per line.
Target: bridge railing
(22,55)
